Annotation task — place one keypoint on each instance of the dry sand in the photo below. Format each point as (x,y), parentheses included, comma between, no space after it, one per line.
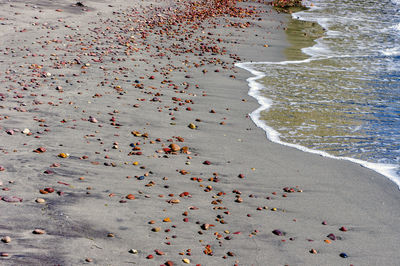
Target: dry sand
(102,86)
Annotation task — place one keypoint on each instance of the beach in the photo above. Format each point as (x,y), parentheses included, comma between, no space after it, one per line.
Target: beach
(126,140)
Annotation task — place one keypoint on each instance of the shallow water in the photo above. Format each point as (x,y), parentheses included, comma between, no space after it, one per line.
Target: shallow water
(342,94)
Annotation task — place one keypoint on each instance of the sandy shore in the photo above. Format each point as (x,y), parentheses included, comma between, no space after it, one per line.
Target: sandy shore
(93,96)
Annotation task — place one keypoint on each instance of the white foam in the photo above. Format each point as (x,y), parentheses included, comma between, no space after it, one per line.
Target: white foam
(391,51)
(388,170)
(316,52)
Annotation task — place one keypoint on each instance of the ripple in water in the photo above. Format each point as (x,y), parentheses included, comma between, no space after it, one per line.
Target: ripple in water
(345,98)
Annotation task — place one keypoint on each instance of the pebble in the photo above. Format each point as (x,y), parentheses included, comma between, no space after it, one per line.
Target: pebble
(130,197)
(343,255)
(313,251)
(187,261)
(39,232)
(40,200)
(175,147)
(26,131)
(277,232)
(6,239)
(192,126)
(133,251)
(331,236)
(11,199)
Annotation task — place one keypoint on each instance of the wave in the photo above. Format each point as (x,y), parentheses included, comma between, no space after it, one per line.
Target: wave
(388,170)
(316,52)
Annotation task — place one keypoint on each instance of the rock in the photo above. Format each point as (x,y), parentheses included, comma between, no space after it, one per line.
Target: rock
(63,155)
(192,126)
(92,119)
(205,226)
(40,200)
(187,261)
(156,229)
(11,199)
(40,150)
(331,237)
(169,263)
(49,190)
(133,251)
(6,239)
(313,251)
(10,132)
(39,232)
(149,257)
(175,147)
(159,252)
(277,232)
(130,197)
(207,162)
(343,255)
(343,229)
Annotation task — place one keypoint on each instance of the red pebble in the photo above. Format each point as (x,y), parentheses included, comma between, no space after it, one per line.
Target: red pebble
(344,229)
(149,257)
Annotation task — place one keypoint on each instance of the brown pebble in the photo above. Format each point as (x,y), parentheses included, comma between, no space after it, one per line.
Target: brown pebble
(6,239)
(88,260)
(39,232)
(313,251)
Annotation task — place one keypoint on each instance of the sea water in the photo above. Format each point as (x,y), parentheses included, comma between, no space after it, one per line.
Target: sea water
(339,97)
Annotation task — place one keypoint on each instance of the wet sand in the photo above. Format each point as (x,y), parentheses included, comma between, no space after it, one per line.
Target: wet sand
(93,96)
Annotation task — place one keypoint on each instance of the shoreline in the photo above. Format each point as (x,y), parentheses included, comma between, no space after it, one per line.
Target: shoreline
(106,97)
(294,54)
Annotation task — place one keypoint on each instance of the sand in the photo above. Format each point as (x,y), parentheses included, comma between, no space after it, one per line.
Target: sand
(106,93)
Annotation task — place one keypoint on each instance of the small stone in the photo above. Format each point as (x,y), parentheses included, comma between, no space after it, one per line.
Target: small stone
(313,251)
(207,162)
(149,257)
(6,239)
(175,147)
(230,253)
(63,155)
(133,251)
(192,126)
(156,229)
(40,200)
(277,232)
(187,261)
(167,220)
(130,197)
(89,260)
(331,237)
(4,254)
(110,235)
(39,232)
(26,131)
(343,255)
(205,226)
(159,252)
(93,120)
(169,263)
(343,229)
